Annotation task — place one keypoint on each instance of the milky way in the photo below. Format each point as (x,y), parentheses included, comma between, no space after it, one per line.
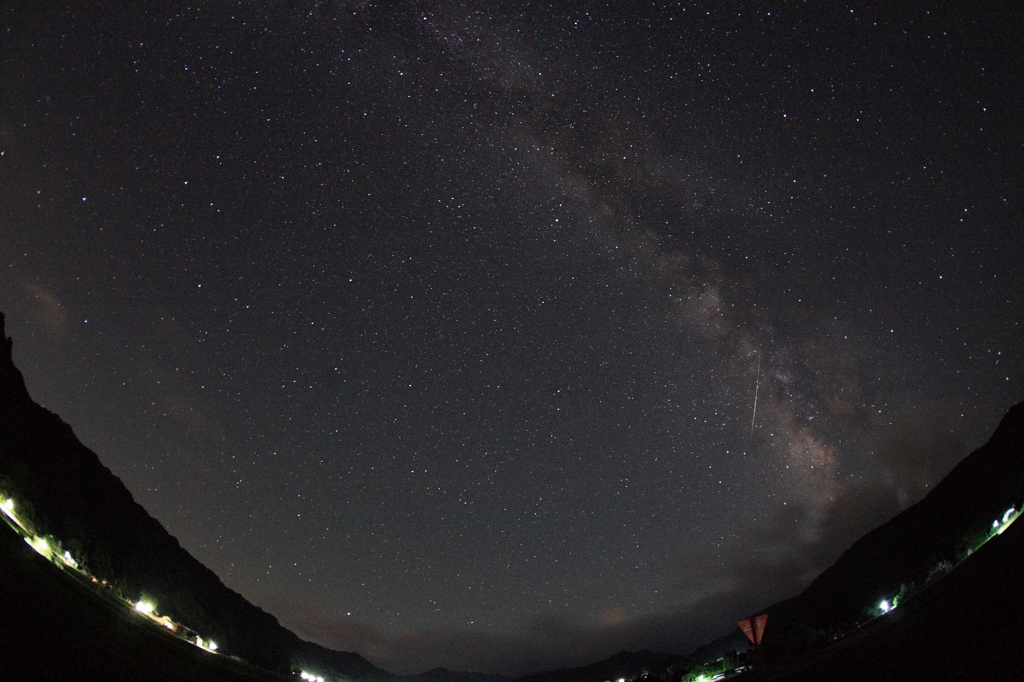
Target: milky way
(435,329)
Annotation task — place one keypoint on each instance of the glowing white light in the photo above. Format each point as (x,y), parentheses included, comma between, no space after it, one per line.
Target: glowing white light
(9,503)
(144,607)
(995,524)
(213,646)
(884,606)
(1009,512)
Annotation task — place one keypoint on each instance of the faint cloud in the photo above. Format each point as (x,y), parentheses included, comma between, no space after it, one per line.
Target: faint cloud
(715,587)
(47,309)
(919,450)
(613,617)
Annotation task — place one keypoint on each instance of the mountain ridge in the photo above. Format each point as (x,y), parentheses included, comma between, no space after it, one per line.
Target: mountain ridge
(77,499)
(950,520)
(942,526)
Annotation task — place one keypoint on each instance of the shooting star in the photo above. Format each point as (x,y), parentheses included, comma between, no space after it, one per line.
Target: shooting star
(757,386)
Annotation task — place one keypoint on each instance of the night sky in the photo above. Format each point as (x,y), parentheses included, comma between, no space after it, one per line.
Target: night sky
(435,328)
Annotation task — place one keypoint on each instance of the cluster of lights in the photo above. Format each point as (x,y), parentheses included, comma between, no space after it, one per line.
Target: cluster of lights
(146,608)
(39,544)
(998,526)
(310,677)
(203,644)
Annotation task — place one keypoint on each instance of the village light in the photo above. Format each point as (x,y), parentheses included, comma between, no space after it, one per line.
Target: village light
(9,503)
(213,646)
(885,606)
(1009,512)
(144,607)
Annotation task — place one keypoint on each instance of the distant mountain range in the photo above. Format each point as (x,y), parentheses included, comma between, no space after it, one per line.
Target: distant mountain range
(623,665)
(75,498)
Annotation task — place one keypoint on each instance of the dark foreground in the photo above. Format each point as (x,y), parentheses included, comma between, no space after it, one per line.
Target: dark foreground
(53,628)
(967,626)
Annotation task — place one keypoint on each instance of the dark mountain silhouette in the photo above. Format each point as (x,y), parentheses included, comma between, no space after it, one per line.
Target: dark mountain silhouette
(55,628)
(625,664)
(946,525)
(78,500)
(965,626)
(440,674)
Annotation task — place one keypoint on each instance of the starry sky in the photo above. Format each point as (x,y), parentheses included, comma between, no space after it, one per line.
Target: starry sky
(436,328)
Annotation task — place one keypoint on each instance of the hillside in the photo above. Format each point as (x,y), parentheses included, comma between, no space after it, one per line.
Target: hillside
(78,500)
(55,628)
(964,627)
(625,664)
(948,523)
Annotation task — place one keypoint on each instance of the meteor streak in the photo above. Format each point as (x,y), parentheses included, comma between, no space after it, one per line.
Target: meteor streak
(757,385)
